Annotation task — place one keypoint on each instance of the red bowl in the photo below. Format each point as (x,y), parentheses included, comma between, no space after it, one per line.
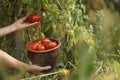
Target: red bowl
(44,58)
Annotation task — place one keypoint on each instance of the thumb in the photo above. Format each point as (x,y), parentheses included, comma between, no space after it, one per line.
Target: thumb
(45,68)
(33,24)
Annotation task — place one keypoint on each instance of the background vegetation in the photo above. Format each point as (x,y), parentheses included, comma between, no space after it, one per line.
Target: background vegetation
(89,32)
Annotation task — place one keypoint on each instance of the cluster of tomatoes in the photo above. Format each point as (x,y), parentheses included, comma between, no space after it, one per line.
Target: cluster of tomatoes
(43,44)
(33,18)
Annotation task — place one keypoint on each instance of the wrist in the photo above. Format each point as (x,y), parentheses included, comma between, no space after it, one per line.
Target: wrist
(29,68)
(14,27)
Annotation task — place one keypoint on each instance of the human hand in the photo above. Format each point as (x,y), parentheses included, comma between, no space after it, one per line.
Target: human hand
(22,23)
(36,70)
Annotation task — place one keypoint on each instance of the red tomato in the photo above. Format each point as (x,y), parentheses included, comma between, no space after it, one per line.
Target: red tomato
(51,45)
(45,41)
(34,46)
(34,18)
(40,47)
(39,41)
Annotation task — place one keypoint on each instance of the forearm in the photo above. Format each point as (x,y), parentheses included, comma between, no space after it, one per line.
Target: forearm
(11,62)
(6,30)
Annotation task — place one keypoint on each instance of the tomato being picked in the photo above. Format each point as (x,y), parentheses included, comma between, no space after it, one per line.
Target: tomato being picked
(33,18)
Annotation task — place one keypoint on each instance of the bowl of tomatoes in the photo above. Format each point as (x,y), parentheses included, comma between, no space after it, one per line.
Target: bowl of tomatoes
(44,52)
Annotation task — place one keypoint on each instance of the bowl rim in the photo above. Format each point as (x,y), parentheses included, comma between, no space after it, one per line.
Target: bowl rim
(28,43)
